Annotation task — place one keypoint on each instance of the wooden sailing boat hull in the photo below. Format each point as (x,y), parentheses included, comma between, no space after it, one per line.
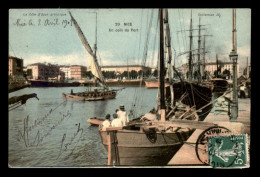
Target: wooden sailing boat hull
(135,148)
(153,84)
(96,121)
(85,96)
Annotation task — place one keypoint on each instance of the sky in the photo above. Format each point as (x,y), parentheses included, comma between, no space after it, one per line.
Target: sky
(47,35)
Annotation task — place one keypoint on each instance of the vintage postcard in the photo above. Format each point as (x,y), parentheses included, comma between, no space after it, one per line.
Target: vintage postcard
(120,88)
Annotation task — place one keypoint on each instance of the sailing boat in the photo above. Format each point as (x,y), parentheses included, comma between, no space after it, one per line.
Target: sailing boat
(195,94)
(151,143)
(97,94)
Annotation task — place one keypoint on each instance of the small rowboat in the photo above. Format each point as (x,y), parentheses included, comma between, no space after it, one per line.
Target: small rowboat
(95,121)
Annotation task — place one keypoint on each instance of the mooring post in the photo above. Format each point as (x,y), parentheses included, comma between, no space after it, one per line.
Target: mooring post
(163,115)
(109,148)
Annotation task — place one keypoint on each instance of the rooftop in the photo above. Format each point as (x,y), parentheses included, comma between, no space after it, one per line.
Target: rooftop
(123,66)
(12,57)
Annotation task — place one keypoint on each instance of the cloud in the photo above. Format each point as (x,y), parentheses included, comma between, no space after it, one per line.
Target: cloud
(244,51)
(107,58)
(79,58)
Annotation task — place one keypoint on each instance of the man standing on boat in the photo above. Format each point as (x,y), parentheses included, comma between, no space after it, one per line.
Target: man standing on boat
(122,115)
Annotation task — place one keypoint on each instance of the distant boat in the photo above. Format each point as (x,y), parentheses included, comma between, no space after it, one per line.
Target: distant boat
(97,94)
(43,83)
(220,85)
(96,121)
(153,83)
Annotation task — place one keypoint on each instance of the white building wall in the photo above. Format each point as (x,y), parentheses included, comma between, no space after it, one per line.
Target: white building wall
(67,72)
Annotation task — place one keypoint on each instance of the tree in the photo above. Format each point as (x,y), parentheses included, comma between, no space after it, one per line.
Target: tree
(133,74)
(140,73)
(88,74)
(155,73)
(125,74)
(147,73)
(109,74)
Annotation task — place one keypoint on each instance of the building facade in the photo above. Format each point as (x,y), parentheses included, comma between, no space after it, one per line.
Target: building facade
(77,71)
(41,71)
(212,67)
(121,68)
(15,66)
(66,70)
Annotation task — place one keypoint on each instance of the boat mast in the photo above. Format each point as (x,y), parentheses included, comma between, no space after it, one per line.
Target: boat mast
(168,52)
(127,68)
(95,68)
(199,64)
(204,54)
(168,45)
(161,74)
(247,68)
(190,53)
(95,45)
(217,65)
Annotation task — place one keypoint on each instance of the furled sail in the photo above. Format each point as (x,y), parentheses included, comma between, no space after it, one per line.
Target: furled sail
(95,68)
(167,37)
(167,44)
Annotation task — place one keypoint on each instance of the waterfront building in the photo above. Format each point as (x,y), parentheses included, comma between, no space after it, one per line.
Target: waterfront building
(211,67)
(15,66)
(66,70)
(42,71)
(119,69)
(77,71)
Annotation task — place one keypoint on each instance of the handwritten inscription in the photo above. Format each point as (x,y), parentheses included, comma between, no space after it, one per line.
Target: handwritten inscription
(42,22)
(64,146)
(24,135)
(123,27)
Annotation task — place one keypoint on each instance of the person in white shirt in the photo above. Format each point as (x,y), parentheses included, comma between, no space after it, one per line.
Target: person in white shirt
(122,115)
(117,123)
(106,123)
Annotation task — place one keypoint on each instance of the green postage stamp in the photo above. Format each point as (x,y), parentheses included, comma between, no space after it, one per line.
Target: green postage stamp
(228,151)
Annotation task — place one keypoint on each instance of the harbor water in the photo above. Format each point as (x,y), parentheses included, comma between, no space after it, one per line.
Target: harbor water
(53,132)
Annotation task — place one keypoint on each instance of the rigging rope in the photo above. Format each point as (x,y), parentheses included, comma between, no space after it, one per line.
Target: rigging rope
(139,99)
(185,37)
(140,37)
(155,40)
